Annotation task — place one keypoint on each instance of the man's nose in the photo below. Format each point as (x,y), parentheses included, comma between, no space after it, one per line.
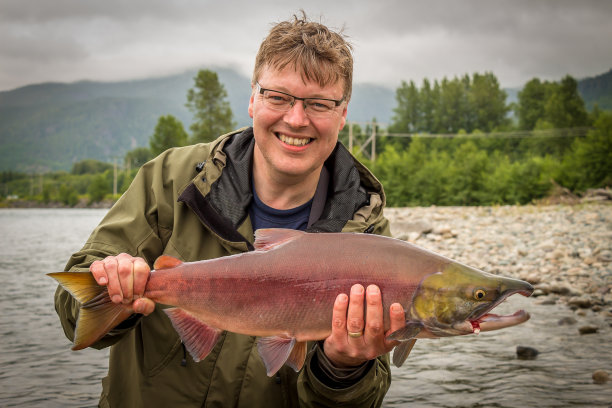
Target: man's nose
(296,116)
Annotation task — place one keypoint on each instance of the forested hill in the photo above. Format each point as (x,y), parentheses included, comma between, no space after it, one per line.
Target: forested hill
(598,90)
(52,125)
(49,126)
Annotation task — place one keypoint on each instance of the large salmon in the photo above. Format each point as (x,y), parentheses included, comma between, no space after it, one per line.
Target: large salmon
(284,292)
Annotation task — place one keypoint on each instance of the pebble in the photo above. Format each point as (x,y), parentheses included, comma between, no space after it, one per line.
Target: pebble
(565,250)
(600,377)
(526,353)
(588,329)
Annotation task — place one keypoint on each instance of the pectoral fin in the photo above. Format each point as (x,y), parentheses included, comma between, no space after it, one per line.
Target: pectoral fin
(198,337)
(275,351)
(411,330)
(402,351)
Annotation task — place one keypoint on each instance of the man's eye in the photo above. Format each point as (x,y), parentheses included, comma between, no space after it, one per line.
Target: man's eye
(278,98)
(320,106)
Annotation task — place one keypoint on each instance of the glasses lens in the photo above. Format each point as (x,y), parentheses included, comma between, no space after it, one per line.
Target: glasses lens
(277,100)
(319,107)
(312,106)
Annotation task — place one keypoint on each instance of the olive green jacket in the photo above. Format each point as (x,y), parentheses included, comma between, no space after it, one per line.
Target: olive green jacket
(192,203)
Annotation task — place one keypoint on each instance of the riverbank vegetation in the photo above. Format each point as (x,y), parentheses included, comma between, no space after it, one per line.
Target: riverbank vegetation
(451,142)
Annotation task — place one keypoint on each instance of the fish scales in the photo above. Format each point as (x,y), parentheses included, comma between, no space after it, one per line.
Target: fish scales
(284,292)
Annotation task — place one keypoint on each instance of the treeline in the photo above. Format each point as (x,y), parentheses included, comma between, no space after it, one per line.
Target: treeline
(88,182)
(482,155)
(451,142)
(92,181)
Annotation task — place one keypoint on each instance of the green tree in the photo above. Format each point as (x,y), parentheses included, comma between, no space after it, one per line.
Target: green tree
(565,107)
(169,132)
(531,102)
(408,112)
(135,158)
(90,166)
(212,112)
(487,103)
(98,188)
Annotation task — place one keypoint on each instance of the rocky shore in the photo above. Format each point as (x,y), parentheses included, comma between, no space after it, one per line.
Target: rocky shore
(564,250)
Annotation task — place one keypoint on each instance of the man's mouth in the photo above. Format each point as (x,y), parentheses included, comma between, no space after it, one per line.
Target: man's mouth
(294,141)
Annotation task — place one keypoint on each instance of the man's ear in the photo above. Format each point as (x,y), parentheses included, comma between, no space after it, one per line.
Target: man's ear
(251,101)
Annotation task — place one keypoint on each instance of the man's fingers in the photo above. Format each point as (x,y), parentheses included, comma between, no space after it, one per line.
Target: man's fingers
(98,272)
(141,276)
(354,319)
(374,315)
(125,271)
(397,319)
(114,287)
(339,317)
(144,306)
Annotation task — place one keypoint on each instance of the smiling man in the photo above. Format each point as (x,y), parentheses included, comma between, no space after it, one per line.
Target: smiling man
(205,201)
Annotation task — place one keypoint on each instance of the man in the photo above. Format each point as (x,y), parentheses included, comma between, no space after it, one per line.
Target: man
(205,201)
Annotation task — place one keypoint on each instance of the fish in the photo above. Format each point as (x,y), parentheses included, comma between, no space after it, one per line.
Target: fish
(284,290)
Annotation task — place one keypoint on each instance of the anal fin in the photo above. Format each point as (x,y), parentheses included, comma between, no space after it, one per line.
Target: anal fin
(198,337)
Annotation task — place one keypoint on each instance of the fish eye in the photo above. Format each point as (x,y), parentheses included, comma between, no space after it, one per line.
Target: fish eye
(479,294)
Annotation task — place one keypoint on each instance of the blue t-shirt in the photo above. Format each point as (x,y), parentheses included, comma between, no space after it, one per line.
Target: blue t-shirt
(263,216)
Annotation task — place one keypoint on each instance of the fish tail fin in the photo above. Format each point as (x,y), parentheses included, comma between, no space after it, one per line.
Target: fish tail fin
(97,314)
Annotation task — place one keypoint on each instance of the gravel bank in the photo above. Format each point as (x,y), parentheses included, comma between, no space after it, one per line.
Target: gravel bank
(565,251)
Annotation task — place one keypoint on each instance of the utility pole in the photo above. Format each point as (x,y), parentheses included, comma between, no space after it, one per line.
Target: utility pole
(373,155)
(114,176)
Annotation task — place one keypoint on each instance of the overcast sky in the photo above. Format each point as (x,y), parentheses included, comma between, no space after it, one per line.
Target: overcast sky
(394,40)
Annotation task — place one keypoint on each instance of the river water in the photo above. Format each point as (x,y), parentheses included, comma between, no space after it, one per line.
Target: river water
(37,367)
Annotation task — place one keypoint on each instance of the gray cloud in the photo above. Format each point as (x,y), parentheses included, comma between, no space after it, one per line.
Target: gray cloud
(69,40)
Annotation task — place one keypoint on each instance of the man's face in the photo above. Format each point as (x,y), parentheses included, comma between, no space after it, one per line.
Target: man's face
(279,136)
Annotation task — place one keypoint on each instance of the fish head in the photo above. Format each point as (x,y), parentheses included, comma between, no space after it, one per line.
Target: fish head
(457,300)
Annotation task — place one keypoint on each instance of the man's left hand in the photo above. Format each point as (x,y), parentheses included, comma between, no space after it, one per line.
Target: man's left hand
(356,338)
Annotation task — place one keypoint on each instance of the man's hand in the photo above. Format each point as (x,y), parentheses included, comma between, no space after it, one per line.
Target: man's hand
(356,338)
(126,278)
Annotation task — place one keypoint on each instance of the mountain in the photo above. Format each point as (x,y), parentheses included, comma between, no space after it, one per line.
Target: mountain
(50,126)
(597,90)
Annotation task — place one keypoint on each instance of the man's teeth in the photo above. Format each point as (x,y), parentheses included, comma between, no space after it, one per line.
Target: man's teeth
(294,141)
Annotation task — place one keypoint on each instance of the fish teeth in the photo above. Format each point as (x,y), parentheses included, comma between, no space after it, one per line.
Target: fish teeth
(294,141)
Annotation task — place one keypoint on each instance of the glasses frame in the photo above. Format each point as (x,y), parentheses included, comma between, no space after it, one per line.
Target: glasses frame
(261,91)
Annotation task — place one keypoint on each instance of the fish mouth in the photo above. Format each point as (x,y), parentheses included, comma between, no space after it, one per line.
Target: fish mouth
(481,320)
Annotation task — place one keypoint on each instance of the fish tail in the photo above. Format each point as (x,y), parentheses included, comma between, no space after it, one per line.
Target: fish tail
(97,314)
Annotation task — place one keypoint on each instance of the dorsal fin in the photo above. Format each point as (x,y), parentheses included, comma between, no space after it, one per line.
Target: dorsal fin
(269,238)
(166,262)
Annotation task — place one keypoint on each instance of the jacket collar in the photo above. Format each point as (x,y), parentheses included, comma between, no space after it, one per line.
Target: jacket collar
(221,193)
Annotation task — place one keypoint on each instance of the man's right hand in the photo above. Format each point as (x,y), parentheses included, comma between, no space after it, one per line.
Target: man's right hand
(126,278)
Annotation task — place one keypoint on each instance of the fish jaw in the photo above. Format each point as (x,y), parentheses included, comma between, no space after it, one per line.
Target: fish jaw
(490,322)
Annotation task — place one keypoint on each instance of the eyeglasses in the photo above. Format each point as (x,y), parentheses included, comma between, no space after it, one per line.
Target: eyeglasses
(283,102)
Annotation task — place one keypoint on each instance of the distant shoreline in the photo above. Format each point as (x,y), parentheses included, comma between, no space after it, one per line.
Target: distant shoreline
(36,204)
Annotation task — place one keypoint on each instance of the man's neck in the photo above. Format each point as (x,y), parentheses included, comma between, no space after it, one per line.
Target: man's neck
(284,192)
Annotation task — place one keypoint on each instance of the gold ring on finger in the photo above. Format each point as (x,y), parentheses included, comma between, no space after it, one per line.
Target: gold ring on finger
(355,334)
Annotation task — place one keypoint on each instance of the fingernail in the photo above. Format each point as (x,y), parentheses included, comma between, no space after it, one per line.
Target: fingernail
(102,281)
(342,298)
(396,308)
(357,289)
(117,299)
(373,290)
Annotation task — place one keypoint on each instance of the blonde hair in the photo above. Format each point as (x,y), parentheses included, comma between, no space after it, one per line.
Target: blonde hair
(322,55)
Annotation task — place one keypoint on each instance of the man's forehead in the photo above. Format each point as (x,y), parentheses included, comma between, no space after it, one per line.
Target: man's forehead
(291,76)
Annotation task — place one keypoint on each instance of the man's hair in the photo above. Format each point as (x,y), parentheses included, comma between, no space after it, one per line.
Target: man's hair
(322,55)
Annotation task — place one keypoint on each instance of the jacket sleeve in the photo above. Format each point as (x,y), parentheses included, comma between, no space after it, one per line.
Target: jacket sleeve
(369,391)
(130,226)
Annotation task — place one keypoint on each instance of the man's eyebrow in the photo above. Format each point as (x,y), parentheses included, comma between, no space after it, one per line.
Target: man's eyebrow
(314,96)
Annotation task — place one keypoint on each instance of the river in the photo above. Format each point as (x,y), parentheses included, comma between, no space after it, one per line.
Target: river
(37,367)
